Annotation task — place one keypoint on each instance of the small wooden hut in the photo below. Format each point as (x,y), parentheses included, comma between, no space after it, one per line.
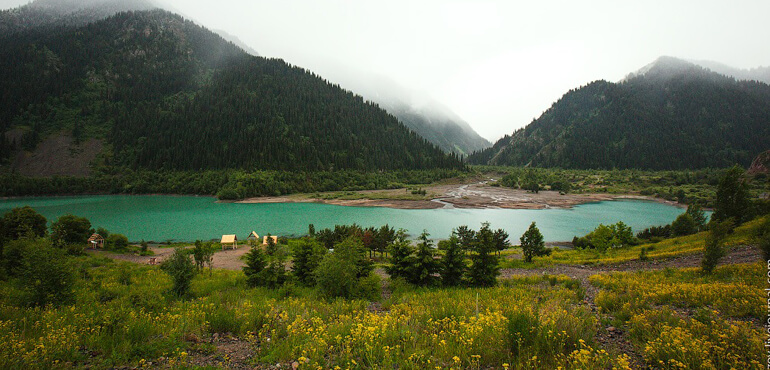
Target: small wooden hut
(264,239)
(96,241)
(229,241)
(253,238)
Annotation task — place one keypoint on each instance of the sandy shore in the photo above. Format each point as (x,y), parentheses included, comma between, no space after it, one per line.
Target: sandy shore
(473,195)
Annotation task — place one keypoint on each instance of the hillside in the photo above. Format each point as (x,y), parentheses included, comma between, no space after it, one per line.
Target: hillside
(416,110)
(672,114)
(165,94)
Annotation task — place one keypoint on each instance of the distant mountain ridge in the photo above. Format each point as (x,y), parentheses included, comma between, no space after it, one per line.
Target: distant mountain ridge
(165,94)
(422,114)
(671,114)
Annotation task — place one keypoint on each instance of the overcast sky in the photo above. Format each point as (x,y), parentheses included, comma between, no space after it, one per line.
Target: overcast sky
(497,64)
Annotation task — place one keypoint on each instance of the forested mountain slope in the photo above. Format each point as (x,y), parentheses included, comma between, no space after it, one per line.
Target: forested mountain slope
(166,94)
(671,115)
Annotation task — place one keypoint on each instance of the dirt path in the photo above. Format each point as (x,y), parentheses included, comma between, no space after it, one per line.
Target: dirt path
(229,259)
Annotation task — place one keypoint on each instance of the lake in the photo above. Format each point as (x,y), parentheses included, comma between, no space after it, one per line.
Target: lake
(187,218)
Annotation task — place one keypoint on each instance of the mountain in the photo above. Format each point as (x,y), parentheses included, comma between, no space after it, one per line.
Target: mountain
(761,74)
(48,13)
(162,93)
(671,114)
(417,111)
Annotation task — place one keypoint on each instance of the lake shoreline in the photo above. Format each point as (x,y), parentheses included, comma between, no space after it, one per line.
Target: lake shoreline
(465,196)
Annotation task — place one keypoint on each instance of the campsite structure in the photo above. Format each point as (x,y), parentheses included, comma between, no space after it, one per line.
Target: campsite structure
(229,241)
(96,241)
(253,238)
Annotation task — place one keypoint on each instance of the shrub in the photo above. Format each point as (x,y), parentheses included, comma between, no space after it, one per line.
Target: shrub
(47,277)
(763,238)
(70,229)
(23,222)
(713,251)
(684,225)
(103,232)
(522,330)
(182,271)
(346,272)
(117,242)
(203,254)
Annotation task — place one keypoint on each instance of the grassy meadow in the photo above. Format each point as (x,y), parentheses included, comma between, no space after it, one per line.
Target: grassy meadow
(122,314)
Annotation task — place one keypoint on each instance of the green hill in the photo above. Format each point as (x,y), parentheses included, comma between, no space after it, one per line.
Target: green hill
(165,94)
(671,115)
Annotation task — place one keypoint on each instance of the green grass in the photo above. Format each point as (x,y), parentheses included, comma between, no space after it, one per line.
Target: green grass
(668,248)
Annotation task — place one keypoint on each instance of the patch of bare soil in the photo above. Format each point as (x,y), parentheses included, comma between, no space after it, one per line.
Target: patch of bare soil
(228,352)
(229,259)
(58,155)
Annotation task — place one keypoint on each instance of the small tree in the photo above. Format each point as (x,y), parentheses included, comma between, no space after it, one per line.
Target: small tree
(400,257)
(311,230)
(103,232)
(763,238)
(684,225)
(255,264)
(23,222)
(698,216)
(307,256)
(181,269)
(732,200)
(70,229)
(532,243)
(714,251)
(453,263)
(347,273)
(117,242)
(484,270)
(203,254)
(424,266)
(501,241)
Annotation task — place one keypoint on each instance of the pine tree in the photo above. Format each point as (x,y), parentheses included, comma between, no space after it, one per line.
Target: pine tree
(307,256)
(255,264)
(484,270)
(424,265)
(532,243)
(453,263)
(401,258)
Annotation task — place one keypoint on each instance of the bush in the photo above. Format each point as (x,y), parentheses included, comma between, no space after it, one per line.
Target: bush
(23,222)
(117,242)
(763,238)
(684,225)
(714,251)
(70,229)
(181,269)
(347,273)
(47,277)
(522,330)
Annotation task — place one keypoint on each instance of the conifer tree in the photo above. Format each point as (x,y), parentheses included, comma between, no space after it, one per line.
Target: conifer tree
(532,243)
(424,266)
(453,263)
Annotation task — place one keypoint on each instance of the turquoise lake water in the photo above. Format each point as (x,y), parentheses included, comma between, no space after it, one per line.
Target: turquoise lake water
(186,218)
